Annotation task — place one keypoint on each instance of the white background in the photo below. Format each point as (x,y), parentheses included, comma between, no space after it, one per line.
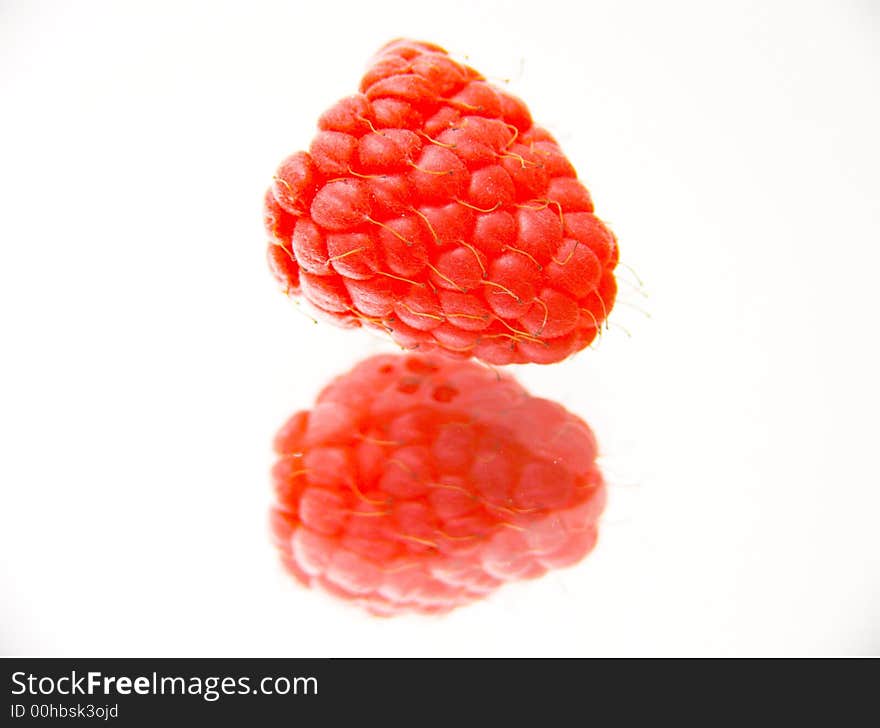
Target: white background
(147,357)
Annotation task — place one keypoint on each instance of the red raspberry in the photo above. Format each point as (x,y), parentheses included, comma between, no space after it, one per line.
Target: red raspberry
(424,483)
(431,207)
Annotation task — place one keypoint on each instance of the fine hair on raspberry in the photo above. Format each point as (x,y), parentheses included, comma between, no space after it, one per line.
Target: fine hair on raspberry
(430,207)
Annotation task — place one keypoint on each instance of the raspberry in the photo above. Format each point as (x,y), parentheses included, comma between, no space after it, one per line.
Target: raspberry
(422,483)
(429,206)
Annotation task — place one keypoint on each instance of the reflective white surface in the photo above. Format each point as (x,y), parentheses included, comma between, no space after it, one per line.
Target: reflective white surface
(148,359)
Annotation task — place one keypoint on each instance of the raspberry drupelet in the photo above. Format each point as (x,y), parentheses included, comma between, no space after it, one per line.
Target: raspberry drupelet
(431,207)
(423,483)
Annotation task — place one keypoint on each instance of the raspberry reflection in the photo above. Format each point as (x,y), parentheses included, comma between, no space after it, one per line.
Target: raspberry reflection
(420,484)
